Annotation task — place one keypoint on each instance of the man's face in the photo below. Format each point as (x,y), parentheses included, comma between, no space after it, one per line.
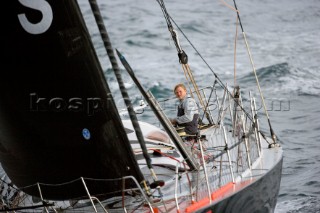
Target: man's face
(180,93)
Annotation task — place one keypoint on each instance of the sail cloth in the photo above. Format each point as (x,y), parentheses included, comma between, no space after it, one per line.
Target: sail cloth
(58,120)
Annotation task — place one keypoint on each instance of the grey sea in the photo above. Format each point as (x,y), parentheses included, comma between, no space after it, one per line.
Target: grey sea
(283,36)
(284,39)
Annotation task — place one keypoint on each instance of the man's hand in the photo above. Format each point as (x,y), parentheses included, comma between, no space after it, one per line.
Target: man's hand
(173,121)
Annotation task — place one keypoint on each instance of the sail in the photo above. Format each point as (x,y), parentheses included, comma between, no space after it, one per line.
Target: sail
(58,119)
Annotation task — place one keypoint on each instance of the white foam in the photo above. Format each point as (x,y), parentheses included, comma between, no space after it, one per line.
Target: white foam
(304,204)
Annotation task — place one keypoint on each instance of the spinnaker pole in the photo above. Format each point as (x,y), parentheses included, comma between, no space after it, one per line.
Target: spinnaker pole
(189,159)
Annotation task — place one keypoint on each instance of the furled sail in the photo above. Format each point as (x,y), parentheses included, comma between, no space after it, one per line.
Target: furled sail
(58,120)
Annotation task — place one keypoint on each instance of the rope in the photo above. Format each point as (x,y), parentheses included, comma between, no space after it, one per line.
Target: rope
(183,58)
(187,70)
(273,136)
(229,6)
(235,54)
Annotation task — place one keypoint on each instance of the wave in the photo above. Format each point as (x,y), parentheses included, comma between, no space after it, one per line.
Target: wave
(285,78)
(267,74)
(160,91)
(302,204)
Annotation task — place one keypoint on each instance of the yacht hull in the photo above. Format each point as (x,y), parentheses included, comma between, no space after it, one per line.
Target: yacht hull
(258,196)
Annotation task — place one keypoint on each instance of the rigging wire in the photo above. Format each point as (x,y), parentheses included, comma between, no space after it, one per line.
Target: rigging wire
(235,54)
(183,57)
(273,136)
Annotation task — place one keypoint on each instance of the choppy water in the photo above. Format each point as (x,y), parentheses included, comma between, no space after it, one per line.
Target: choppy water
(284,39)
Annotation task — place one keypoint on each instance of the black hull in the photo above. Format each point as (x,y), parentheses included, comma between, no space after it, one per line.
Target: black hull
(260,196)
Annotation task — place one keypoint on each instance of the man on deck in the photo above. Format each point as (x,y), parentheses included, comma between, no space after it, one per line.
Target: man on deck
(188,113)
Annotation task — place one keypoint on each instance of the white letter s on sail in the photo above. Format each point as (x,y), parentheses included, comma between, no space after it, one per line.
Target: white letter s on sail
(47,16)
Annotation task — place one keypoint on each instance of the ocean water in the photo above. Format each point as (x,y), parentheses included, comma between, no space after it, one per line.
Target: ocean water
(283,36)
